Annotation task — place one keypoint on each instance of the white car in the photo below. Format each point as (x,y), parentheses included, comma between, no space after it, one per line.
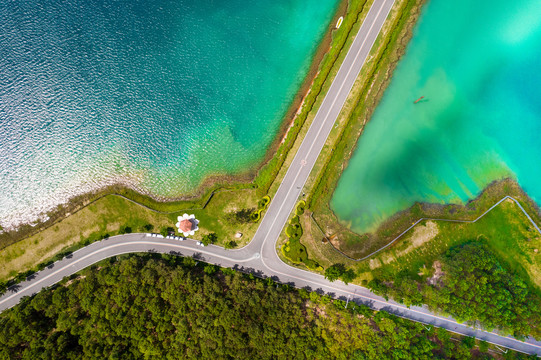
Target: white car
(200,243)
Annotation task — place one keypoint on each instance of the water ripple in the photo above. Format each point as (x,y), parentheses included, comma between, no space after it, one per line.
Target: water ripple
(153,94)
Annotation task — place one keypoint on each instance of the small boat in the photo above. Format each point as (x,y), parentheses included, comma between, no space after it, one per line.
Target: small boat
(339,22)
(419,99)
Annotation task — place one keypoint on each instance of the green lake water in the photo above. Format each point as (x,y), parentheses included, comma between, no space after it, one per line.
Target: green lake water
(154,94)
(478,64)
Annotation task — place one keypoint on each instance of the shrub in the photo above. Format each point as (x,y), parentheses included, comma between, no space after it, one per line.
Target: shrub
(256,216)
(294,231)
(243,216)
(164,231)
(294,220)
(301,206)
(263,203)
(231,244)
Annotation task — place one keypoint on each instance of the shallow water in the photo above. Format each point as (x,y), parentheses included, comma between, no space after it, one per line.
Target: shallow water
(478,65)
(156,94)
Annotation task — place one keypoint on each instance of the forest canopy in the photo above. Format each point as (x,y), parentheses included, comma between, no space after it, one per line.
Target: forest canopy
(475,286)
(161,307)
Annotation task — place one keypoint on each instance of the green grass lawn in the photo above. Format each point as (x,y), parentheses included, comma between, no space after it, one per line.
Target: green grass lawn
(111,215)
(505,229)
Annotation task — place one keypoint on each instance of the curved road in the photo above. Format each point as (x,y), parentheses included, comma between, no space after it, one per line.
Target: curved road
(260,255)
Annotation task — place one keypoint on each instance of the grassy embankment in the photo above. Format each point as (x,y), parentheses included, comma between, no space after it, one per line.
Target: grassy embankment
(362,100)
(505,230)
(370,87)
(117,209)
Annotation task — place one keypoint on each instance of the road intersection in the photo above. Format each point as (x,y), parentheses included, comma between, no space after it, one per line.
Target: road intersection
(260,255)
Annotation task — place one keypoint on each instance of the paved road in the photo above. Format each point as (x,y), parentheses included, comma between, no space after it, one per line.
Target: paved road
(260,255)
(245,260)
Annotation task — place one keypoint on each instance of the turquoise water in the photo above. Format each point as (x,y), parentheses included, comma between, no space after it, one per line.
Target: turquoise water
(478,65)
(155,94)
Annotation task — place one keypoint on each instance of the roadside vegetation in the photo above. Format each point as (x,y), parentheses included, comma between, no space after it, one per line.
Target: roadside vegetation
(159,307)
(113,215)
(486,273)
(470,283)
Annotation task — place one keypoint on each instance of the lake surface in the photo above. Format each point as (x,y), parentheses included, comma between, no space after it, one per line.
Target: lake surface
(478,64)
(155,94)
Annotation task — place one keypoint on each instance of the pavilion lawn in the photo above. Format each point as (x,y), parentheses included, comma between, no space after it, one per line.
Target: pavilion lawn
(112,215)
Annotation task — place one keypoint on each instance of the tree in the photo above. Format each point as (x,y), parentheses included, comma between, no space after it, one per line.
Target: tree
(339,271)
(188,261)
(210,269)
(469,342)
(304,293)
(475,286)
(210,238)
(348,276)
(334,272)
(149,307)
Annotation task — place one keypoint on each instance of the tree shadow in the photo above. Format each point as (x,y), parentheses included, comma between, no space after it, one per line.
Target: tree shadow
(175,253)
(14,288)
(198,256)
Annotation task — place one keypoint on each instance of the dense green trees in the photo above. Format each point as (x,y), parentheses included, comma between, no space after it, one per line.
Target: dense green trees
(473,286)
(154,308)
